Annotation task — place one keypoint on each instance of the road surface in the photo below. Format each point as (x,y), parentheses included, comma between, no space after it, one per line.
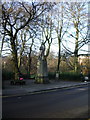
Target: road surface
(63,103)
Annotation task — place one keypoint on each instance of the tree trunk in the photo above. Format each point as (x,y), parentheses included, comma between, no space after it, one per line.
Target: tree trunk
(29,64)
(76,48)
(2,45)
(76,63)
(58,59)
(59,52)
(15,59)
(48,50)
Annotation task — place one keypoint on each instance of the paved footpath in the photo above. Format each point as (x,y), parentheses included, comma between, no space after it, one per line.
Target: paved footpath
(31,87)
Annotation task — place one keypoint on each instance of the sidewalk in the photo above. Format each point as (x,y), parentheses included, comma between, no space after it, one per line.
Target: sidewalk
(31,87)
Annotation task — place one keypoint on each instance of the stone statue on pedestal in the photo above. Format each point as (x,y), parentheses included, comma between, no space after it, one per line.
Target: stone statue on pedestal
(42,51)
(42,70)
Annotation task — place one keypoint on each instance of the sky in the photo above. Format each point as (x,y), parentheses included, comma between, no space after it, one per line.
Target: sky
(54,46)
(48,0)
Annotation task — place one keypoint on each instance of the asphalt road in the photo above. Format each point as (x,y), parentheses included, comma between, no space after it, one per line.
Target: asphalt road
(64,103)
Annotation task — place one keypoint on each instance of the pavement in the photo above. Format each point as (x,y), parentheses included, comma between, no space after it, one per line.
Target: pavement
(32,88)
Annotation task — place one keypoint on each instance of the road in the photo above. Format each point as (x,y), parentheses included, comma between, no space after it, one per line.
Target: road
(63,103)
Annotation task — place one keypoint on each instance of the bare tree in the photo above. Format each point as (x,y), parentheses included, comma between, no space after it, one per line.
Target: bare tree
(20,13)
(61,27)
(76,11)
(45,31)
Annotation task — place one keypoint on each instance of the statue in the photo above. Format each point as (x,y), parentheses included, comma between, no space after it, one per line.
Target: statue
(42,51)
(42,71)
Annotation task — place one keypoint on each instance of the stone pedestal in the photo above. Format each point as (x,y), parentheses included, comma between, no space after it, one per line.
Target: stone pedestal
(42,71)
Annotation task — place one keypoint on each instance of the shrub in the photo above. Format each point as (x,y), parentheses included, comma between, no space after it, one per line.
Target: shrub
(51,75)
(70,76)
(7,75)
(26,76)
